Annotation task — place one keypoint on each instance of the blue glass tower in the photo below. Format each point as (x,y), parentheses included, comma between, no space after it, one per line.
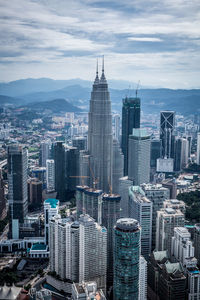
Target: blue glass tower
(126,259)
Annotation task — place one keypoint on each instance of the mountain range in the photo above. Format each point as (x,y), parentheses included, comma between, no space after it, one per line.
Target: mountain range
(26,92)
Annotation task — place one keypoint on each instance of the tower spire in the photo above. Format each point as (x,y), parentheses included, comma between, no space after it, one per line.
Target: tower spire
(96,81)
(103,78)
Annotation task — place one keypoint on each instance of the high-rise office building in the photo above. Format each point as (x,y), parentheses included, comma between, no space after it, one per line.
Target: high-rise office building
(92,252)
(172,186)
(118,166)
(17,188)
(198,148)
(181,153)
(130,120)
(110,215)
(167,125)
(51,207)
(2,198)
(50,175)
(100,138)
(143,279)
(126,259)
(157,194)
(167,220)
(124,184)
(117,127)
(59,158)
(140,208)
(155,152)
(35,192)
(139,157)
(45,150)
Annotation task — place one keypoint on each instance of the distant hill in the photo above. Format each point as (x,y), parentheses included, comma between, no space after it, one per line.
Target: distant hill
(56,106)
(9,100)
(77,93)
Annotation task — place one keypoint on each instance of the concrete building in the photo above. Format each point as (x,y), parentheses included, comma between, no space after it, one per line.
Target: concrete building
(172,186)
(92,252)
(87,291)
(50,174)
(89,201)
(124,184)
(118,166)
(51,207)
(17,188)
(140,209)
(167,280)
(45,149)
(157,194)
(100,137)
(198,148)
(64,247)
(182,248)
(167,220)
(143,279)
(139,157)
(167,126)
(110,215)
(130,120)
(175,204)
(126,259)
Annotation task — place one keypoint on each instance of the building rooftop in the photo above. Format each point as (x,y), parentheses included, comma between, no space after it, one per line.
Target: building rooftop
(173,267)
(160,255)
(138,193)
(53,202)
(37,247)
(127,225)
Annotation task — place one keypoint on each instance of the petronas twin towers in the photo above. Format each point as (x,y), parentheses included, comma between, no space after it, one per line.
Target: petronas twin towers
(100,139)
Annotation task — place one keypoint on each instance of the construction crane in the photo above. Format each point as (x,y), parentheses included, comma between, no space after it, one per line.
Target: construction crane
(137,88)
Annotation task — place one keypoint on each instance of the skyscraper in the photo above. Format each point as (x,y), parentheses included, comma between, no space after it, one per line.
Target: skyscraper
(59,158)
(110,215)
(167,125)
(126,259)
(130,120)
(92,252)
(157,194)
(100,140)
(17,191)
(140,208)
(44,152)
(155,152)
(118,166)
(139,157)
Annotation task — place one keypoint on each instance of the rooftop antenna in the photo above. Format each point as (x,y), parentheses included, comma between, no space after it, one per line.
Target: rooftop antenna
(97,71)
(137,88)
(103,64)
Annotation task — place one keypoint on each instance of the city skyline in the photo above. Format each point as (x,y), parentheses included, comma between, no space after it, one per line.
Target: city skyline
(158,43)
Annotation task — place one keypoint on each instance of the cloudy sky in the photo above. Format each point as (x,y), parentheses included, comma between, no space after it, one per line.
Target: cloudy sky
(155,41)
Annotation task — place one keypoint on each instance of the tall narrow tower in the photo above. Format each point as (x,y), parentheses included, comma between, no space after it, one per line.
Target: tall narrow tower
(100,132)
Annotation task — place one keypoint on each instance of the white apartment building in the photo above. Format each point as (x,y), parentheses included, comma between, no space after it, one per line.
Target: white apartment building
(50,175)
(198,148)
(50,210)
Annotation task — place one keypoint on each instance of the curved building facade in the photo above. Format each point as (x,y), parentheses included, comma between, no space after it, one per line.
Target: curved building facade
(126,259)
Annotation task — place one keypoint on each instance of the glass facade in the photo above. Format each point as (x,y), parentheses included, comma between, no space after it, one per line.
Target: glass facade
(126,259)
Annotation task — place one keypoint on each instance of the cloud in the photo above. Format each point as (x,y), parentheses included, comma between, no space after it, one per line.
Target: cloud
(147,36)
